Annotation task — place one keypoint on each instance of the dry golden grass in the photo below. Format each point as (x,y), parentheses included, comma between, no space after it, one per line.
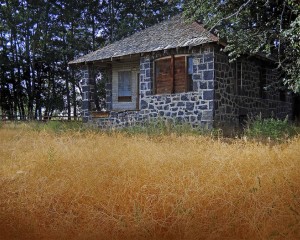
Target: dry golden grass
(96,186)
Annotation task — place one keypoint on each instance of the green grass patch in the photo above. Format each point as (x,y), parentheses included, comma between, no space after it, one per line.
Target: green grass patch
(271,128)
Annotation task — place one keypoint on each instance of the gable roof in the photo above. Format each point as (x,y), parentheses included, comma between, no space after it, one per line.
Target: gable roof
(173,33)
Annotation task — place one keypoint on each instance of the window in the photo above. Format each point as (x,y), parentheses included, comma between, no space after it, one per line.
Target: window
(173,74)
(124,86)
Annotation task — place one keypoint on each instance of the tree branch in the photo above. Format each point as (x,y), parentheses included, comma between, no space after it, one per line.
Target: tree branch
(232,15)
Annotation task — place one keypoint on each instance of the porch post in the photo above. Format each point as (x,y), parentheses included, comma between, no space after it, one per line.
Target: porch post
(108,88)
(87,92)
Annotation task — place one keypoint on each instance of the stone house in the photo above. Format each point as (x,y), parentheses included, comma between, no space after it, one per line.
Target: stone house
(177,70)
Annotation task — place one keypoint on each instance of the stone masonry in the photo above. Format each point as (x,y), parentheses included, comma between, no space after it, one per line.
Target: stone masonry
(222,94)
(195,107)
(238,91)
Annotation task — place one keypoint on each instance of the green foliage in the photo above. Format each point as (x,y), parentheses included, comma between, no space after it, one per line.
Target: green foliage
(271,128)
(38,39)
(270,28)
(292,65)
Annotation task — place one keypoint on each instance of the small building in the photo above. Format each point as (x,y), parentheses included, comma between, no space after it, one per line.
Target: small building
(177,70)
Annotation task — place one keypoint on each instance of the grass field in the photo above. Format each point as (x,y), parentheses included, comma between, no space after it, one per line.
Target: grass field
(89,185)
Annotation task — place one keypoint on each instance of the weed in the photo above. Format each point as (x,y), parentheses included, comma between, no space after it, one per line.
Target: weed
(274,129)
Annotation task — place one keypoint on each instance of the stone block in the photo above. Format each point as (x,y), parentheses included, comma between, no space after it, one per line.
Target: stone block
(195,86)
(190,106)
(194,98)
(196,61)
(180,113)
(148,73)
(144,104)
(202,67)
(199,116)
(203,107)
(184,98)
(85,104)
(147,65)
(211,105)
(195,68)
(208,57)
(207,116)
(208,95)
(210,84)
(144,86)
(208,75)
(193,119)
(203,84)
(197,76)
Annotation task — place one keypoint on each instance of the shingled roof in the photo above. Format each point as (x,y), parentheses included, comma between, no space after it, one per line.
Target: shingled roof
(173,33)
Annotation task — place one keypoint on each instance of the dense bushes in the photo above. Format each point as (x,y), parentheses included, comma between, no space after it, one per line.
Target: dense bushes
(270,128)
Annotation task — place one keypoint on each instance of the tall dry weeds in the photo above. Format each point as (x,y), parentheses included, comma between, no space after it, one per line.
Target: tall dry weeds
(95,186)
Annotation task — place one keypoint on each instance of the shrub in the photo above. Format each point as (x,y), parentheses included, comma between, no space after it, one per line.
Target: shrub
(274,129)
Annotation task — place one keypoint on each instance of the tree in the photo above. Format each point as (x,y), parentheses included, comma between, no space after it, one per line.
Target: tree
(271,27)
(38,39)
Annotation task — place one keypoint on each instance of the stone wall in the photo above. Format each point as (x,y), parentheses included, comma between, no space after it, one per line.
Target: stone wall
(146,77)
(222,93)
(235,100)
(117,120)
(195,107)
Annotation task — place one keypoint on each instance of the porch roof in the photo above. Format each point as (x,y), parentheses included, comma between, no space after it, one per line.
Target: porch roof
(170,34)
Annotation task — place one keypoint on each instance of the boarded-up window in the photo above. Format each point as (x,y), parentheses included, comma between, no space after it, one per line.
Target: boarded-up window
(124,86)
(180,75)
(171,75)
(164,76)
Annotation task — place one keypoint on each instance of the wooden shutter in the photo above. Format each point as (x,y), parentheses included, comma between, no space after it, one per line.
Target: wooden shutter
(171,75)
(180,75)
(163,76)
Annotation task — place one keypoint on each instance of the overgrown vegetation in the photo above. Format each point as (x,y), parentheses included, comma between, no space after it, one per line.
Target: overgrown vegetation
(111,186)
(271,128)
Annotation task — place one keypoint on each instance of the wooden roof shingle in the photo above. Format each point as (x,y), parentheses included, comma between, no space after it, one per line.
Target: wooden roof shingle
(172,33)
